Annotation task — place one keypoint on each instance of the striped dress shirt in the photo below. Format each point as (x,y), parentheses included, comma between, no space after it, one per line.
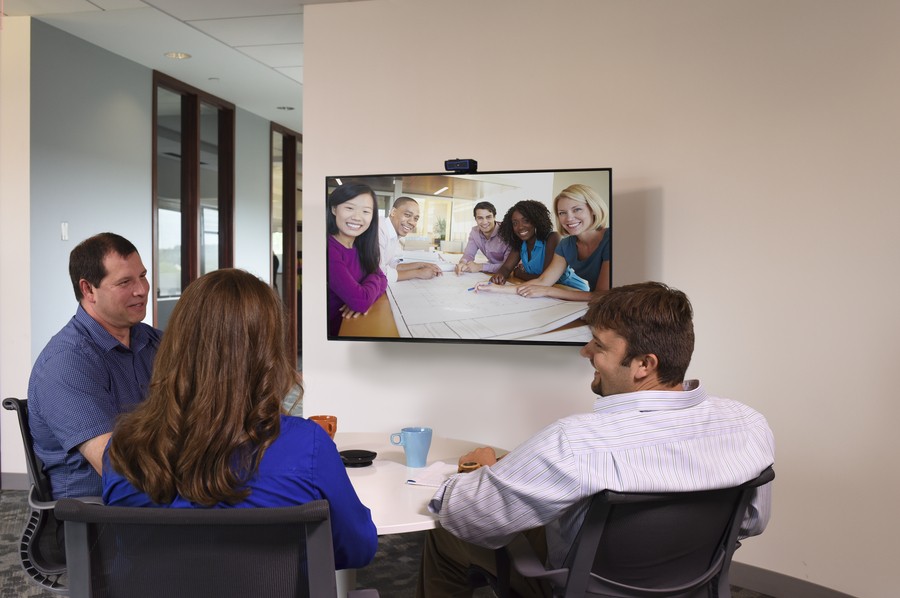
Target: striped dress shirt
(649,441)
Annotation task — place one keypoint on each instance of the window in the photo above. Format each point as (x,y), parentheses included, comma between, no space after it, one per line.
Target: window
(193,189)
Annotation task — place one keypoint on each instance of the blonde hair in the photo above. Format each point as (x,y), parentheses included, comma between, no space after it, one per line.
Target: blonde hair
(584,195)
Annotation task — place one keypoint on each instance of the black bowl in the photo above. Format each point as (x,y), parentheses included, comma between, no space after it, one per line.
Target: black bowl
(358,458)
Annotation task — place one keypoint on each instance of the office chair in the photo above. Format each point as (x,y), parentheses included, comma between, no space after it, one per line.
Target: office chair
(638,545)
(146,553)
(39,551)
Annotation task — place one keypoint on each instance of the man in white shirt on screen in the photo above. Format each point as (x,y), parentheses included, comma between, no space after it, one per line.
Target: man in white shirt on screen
(650,431)
(400,221)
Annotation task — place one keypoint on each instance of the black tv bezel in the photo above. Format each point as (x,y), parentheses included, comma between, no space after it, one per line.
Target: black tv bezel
(468,341)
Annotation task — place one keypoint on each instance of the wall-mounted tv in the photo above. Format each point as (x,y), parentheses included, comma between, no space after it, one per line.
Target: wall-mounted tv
(506,257)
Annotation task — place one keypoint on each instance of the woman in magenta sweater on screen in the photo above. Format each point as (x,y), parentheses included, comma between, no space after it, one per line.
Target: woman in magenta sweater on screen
(355,279)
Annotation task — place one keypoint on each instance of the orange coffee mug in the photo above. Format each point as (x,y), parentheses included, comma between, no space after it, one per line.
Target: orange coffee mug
(328,423)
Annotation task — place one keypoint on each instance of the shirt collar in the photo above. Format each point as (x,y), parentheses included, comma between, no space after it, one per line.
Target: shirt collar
(653,400)
(104,339)
(389,228)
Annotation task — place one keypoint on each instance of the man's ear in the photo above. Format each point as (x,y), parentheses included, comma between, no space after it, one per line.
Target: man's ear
(87,290)
(647,366)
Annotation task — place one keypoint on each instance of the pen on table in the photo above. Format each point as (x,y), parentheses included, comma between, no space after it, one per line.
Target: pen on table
(473,288)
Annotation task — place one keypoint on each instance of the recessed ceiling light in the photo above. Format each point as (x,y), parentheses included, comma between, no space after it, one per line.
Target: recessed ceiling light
(177,55)
(288,108)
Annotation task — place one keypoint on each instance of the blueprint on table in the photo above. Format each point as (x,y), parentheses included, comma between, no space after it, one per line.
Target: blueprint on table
(445,307)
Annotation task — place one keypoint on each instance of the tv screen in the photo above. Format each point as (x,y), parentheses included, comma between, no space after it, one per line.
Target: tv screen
(492,257)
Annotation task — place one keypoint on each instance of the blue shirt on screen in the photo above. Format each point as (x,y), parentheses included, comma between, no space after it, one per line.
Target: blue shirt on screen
(82,380)
(588,268)
(300,466)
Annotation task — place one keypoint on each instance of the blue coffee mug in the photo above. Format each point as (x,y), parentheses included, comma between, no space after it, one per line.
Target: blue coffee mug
(415,441)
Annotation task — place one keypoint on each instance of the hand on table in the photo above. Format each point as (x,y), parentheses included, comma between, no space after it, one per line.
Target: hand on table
(483,456)
(426,271)
(348,313)
(467,267)
(533,290)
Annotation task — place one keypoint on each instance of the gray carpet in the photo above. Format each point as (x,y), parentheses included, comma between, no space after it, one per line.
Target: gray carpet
(393,572)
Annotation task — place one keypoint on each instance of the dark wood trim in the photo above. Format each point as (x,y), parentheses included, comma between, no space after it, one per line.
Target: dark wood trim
(226,187)
(190,189)
(289,223)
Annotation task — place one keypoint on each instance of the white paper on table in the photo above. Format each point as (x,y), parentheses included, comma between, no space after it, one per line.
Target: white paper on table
(446,307)
(434,475)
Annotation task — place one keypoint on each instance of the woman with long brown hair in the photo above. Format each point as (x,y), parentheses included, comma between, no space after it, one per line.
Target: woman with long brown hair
(212,432)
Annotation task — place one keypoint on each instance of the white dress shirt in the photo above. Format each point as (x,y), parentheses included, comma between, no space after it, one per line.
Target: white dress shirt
(650,441)
(389,247)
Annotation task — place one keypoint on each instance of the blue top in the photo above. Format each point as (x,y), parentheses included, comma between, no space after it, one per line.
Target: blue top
(588,269)
(535,265)
(80,382)
(300,466)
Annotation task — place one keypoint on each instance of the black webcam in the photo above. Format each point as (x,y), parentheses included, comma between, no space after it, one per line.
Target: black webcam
(461,165)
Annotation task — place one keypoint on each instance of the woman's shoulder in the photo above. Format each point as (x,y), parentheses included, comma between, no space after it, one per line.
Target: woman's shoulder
(566,243)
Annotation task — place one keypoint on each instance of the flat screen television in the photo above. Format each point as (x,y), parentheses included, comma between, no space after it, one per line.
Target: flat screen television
(449,213)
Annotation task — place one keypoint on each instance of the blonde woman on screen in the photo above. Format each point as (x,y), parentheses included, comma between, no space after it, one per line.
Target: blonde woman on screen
(583,220)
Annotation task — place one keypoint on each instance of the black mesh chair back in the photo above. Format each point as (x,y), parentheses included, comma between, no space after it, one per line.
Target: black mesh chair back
(637,545)
(128,552)
(39,550)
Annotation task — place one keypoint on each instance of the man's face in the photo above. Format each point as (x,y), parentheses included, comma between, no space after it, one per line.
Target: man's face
(485,221)
(120,301)
(404,217)
(605,351)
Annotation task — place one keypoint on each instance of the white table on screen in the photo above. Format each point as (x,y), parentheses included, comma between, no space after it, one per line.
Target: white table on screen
(397,507)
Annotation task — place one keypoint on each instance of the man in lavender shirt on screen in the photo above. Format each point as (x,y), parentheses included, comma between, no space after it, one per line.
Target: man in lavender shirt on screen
(650,431)
(485,237)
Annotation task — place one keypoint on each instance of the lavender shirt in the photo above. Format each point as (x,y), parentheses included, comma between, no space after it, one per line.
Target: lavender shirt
(494,248)
(348,284)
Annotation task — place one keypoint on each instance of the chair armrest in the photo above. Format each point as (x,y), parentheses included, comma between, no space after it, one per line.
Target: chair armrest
(39,505)
(46,505)
(91,500)
(524,560)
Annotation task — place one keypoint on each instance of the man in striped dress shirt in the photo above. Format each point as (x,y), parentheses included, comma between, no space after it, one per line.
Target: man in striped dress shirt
(650,431)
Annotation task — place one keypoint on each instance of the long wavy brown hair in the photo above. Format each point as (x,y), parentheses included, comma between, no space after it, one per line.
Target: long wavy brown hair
(215,401)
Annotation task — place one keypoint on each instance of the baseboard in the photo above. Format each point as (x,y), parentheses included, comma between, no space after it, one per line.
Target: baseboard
(777,584)
(14,481)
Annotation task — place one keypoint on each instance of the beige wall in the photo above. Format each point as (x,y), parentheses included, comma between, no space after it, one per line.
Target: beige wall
(15,264)
(754,148)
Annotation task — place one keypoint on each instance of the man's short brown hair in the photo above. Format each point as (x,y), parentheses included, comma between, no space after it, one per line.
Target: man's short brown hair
(652,318)
(86,260)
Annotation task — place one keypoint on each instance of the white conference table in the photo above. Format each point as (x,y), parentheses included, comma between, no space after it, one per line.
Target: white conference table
(397,507)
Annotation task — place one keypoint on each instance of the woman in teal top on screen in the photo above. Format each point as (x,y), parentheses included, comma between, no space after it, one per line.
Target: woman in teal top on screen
(586,246)
(527,229)
(212,432)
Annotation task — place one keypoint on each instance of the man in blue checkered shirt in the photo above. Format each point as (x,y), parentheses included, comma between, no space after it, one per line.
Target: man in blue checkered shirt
(95,368)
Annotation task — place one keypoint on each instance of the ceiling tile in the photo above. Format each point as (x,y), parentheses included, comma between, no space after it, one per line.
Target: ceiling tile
(254,31)
(294,72)
(281,55)
(225,9)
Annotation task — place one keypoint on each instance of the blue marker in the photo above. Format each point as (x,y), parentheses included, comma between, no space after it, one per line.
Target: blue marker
(473,288)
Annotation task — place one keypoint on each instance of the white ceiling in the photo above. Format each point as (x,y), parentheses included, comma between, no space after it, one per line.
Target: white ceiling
(248,52)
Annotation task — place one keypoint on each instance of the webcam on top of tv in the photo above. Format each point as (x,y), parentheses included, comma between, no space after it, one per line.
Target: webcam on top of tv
(461,165)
